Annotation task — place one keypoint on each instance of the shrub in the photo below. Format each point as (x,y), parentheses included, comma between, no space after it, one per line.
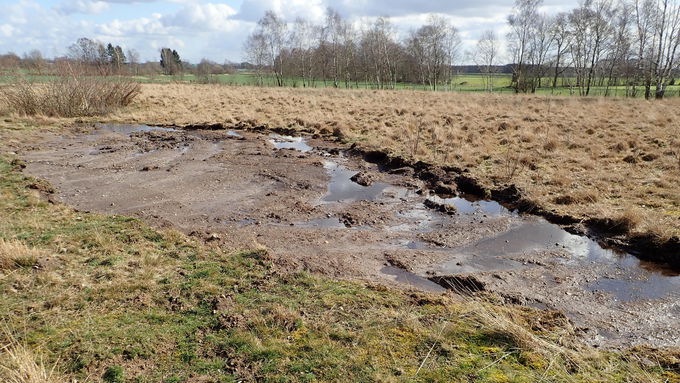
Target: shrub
(69,95)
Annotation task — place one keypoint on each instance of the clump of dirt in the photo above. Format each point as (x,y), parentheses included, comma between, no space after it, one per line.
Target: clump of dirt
(363,178)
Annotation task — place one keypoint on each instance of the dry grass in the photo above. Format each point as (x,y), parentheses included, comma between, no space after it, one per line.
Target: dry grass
(18,364)
(547,146)
(69,96)
(15,254)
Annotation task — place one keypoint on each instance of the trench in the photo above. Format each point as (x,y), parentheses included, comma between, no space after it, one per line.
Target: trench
(303,201)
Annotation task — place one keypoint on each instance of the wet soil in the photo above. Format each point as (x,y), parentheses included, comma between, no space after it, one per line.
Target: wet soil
(245,189)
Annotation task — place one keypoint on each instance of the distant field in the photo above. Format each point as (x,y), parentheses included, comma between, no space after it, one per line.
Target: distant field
(460,83)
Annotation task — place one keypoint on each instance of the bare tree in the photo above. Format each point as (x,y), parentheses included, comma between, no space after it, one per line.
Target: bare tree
(521,23)
(486,57)
(379,53)
(257,53)
(667,36)
(434,47)
(34,61)
(561,36)
(133,60)
(302,43)
(591,33)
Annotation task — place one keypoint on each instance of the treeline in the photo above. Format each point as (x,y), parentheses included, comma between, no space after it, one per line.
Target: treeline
(601,43)
(88,56)
(342,54)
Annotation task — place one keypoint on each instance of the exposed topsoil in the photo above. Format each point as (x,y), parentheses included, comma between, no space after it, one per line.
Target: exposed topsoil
(319,208)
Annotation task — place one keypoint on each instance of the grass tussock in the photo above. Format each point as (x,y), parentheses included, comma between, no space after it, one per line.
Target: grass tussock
(68,95)
(18,364)
(15,254)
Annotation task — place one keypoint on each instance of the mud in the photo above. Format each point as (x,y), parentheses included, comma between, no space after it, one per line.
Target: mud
(246,188)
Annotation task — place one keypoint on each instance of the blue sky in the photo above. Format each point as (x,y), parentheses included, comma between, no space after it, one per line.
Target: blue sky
(216,29)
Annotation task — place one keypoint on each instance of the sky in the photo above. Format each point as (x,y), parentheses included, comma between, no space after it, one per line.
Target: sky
(216,29)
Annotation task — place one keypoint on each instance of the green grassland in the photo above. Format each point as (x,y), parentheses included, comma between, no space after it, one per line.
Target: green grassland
(460,83)
(107,298)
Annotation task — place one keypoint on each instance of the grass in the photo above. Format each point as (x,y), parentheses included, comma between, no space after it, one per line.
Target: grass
(68,95)
(467,83)
(112,300)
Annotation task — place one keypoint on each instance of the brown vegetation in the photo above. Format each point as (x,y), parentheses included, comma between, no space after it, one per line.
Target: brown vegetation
(15,254)
(549,147)
(69,95)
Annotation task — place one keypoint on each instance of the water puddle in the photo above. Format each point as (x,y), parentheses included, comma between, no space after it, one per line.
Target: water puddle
(540,235)
(641,280)
(414,245)
(289,142)
(246,222)
(342,189)
(407,278)
(128,129)
(654,286)
(326,223)
(468,205)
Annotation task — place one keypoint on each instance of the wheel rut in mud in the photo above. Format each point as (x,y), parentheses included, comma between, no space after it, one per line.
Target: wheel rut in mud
(319,210)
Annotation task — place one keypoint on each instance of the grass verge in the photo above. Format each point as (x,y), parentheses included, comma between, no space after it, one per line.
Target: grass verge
(106,298)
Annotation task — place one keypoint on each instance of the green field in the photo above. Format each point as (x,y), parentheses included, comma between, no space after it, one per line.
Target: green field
(459,83)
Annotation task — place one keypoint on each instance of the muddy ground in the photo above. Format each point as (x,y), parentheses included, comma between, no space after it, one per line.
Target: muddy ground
(320,210)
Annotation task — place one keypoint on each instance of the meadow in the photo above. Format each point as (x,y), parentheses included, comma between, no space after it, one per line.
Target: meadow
(501,83)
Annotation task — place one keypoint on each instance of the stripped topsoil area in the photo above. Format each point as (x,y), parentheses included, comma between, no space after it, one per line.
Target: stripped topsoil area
(317,207)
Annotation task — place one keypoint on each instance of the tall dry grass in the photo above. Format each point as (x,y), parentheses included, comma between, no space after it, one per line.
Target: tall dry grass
(19,364)
(70,94)
(15,254)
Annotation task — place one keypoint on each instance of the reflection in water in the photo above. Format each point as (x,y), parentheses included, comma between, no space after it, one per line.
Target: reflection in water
(642,280)
(467,205)
(328,223)
(129,129)
(289,142)
(342,188)
(655,286)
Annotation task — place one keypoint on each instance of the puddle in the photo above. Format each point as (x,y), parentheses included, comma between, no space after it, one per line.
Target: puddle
(129,129)
(289,142)
(326,223)
(655,286)
(468,205)
(540,235)
(232,133)
(342,189)
(407,278)
(414,245)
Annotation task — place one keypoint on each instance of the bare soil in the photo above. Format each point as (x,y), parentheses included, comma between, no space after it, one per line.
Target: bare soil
(296,197)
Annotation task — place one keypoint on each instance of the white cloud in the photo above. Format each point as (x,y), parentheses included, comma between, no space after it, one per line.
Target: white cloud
(6,30)
(252,10)
(197,17)
(82,6)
